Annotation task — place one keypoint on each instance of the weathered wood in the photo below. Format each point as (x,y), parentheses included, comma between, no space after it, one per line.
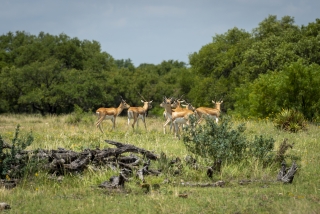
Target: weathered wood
(68,156)
(122,148)
(216,167)
(143,171)
(286,175)
(280,155)
(4,206)
(283,171)
(8,184)
(215,184)
(80,163)
(132,160)
(115,182)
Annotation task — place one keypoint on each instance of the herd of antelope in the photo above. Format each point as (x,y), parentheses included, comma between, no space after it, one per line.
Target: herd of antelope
(174,111)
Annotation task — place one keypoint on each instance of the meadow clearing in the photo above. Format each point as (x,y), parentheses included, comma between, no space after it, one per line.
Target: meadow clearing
(78,193)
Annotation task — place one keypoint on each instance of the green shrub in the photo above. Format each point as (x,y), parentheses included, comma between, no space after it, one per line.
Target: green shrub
(222,141)
(12,162)
(290,120)
(261,148)
(217,141)
(79,116)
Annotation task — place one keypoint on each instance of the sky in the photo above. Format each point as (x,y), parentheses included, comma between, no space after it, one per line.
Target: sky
(148,31)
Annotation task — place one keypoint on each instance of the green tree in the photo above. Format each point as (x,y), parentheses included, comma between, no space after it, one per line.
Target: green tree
(295,87)
(51,74)
(127,63)
(216,66)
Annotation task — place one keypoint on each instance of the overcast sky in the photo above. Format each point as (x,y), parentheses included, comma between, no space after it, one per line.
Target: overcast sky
(148,31)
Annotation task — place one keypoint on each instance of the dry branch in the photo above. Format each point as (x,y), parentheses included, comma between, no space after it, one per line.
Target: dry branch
(215,184)
(286,175)
(122,148)
(114,182)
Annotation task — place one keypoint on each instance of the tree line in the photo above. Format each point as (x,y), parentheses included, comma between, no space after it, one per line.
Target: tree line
(275,66)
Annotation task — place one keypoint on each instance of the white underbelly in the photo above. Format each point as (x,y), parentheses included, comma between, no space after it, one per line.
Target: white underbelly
(141,116)
(211,116)
(109,117)
(180,120)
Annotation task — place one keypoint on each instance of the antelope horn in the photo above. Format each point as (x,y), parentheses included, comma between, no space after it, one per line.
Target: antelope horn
(142,97)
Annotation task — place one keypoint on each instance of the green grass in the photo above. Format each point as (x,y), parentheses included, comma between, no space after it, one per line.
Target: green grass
(79,193)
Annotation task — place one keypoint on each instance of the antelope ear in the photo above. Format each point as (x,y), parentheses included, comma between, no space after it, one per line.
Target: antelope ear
(151,101)
(142,101)
(213,102)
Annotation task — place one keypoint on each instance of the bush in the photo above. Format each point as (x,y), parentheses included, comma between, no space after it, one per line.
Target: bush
(290,120)
(215,141)
(222,141)
(12,164)
(261,148)
(79,116)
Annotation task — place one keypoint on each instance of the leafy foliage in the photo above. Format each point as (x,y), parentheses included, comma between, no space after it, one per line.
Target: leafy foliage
(261,149)
(290,120)
(292,88)
(223,142)
(275,66)
(13,157)
(79,116)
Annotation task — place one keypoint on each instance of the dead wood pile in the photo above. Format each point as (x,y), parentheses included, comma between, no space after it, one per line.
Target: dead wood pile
(135,163)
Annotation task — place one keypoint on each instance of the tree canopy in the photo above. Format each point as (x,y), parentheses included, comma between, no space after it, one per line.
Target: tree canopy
(256,73)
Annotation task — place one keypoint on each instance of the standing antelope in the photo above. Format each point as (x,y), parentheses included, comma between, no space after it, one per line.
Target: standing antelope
(110,114)
(211,112)
(173,104)
(176,117)
(189,106)
(176,106)
(139,113)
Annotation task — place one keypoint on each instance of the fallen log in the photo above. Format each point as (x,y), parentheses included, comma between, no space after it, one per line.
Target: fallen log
(122,148)
(215,184)
(80,163)
(8,184)
(67,155)
(62,160)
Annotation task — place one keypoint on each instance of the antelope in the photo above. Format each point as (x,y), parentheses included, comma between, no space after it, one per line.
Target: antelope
(173,104)
(177,106)
(211,112)
(189,106)
(176,117)
(110,114)
(139,113)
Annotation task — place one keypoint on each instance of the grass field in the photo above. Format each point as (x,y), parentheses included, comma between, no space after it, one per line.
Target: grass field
(78,193)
